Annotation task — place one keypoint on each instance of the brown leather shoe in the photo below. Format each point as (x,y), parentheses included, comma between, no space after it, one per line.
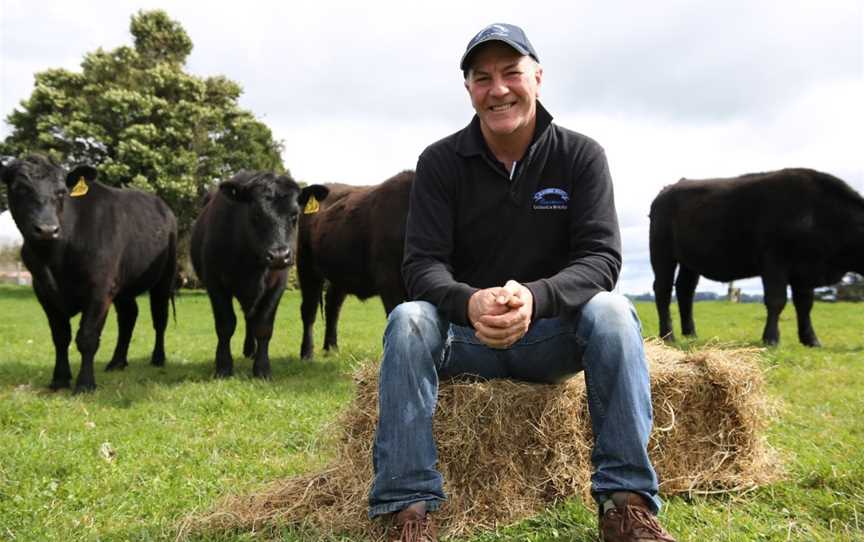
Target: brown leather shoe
(412,524)
(626,517)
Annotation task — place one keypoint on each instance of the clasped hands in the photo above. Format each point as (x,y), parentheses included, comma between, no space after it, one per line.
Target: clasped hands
(501,315)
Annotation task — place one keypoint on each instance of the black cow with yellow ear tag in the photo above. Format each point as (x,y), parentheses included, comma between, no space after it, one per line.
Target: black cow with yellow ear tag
(242,245)
(89,245)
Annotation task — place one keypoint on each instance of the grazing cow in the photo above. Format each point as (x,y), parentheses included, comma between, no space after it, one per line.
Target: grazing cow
(241,247)
(355,241)
(88,245)
(795,227)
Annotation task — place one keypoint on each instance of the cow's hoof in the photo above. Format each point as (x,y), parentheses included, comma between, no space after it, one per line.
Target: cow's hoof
(116,365)
(770,342)
(60,384)
(224,373)
(263,375)
(84,388)
(157,361)
(812,343)
(249,349)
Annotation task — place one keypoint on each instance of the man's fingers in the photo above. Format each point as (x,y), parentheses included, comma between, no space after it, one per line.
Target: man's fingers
(513,287)
(494,341)
(505,320)
(491,332)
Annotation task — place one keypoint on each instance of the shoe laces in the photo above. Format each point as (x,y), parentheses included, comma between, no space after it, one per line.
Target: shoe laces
(640,522)
(417,530)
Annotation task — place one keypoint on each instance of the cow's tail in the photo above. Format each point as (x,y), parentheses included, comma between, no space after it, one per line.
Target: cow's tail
(174,283)
(173,307)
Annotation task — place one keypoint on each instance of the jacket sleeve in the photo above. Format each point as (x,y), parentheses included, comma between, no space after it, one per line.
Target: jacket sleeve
(595,244)
(426,267)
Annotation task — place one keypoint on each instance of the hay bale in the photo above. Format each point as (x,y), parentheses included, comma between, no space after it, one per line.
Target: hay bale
(508,450)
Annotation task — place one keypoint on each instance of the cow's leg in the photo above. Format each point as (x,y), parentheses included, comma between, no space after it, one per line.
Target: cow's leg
(774,286)
(685,288)
(664,275)
(249,345)
(87,341)
(332,307)
(226,322)
(261,324)
(802,298)
(160,298)
(263,332)
(61,334)
(311,287)
(127,314)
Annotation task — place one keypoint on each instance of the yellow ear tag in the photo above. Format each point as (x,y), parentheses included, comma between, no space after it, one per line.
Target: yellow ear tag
(80,188)
(312,206)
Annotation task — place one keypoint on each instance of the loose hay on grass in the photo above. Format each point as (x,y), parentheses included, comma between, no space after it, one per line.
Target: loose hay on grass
(508,450)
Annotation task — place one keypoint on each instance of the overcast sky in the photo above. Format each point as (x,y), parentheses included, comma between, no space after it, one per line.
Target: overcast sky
(356,90)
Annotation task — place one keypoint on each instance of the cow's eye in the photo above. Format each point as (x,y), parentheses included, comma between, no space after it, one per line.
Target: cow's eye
(294,217)
(60,193)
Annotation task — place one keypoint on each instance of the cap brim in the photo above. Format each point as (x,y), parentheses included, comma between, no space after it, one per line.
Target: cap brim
(518,48)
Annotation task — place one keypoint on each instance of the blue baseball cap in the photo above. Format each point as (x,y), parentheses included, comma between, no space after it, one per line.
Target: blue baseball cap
(510,34)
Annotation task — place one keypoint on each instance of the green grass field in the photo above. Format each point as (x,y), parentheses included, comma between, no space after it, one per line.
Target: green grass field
(153,445)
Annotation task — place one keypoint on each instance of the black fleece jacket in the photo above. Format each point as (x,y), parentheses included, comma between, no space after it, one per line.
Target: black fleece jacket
(552,227)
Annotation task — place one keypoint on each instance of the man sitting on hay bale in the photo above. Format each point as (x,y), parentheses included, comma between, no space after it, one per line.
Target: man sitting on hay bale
(512,249)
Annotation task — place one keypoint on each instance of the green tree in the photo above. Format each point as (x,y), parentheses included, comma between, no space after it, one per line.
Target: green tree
(135,114)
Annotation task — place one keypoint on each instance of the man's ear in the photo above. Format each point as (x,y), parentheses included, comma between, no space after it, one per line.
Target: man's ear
(538,76)
(235,190)
(88,172)
(319,191)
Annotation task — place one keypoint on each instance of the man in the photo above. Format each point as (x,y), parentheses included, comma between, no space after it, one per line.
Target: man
(512,246)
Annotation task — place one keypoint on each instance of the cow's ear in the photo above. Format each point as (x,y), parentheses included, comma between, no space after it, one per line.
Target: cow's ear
(89,174)
(319,191)
(235,191)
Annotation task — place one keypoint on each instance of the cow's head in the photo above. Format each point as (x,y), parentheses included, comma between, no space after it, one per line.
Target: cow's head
(273,205)
(37,190)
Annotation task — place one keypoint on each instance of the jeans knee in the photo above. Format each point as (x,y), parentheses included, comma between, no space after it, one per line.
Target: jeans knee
(611,314)
(414,320)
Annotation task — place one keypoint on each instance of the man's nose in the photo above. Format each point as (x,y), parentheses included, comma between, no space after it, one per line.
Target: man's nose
(499,87)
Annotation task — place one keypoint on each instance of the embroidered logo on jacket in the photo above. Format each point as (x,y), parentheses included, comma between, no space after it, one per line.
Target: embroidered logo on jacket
(551,198)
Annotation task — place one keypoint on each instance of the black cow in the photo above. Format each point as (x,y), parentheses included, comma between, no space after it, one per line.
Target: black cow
(794,227)
(88,245)
(355,241)
(241,247)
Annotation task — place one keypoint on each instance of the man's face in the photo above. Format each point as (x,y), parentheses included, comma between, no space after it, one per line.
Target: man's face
(503,86)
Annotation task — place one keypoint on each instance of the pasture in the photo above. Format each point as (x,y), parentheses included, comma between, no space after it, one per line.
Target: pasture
(153,445)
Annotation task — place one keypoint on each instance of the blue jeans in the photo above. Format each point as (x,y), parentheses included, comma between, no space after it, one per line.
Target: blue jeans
(420,347)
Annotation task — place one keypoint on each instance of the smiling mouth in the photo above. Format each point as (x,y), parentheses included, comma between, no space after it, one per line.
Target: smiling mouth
(501,108)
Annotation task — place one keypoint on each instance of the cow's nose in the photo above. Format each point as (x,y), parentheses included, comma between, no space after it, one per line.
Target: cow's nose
(279,255)
(47,231)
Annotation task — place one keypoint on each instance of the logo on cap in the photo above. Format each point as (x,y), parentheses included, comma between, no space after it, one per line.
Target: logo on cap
(493,30)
